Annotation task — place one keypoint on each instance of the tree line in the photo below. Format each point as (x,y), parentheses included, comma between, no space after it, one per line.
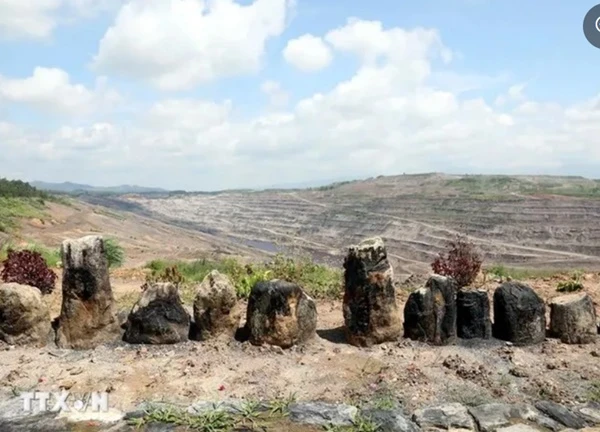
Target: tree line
(19,189)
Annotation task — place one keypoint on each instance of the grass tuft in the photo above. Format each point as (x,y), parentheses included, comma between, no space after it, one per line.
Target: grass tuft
(518,273)
(318,280)
(114,252)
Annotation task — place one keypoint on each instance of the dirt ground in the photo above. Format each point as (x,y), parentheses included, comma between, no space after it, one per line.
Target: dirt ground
(142,238)
(471,372)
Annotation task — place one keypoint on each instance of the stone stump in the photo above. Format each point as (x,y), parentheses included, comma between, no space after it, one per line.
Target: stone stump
(216,311)
(158,317)
(24,317)
(280,313)
(87,317)
(371,314)
(473,314)
(430,312)
(573,318)
(519,314)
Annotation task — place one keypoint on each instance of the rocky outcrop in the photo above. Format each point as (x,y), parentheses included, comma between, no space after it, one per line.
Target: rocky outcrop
(519,314)
(473,314)
(430,312)
(216,311)
(24,317)
(489,417)
(390,420)
(371,314)
(322,414)
(87,317)
(158,317)
(445,416)
(280,313)
(561,414)
(573,318)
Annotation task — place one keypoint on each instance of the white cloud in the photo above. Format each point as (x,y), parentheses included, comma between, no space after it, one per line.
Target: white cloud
(278,97)
(307,53)
(50,90)
(393,115)
(188,42)
(28,19)
(36,19)
(370,41)
(513,94)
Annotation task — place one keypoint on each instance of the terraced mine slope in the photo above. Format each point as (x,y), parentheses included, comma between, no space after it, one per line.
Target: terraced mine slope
(550,222)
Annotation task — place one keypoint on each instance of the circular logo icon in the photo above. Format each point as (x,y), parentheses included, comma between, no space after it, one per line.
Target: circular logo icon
(591,26)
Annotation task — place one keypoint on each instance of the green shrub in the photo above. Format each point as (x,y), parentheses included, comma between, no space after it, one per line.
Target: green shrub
(572,285)
(114,252)
(503,272)
(318,280)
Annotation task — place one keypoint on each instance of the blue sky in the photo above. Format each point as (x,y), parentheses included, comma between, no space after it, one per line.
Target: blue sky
(528,63)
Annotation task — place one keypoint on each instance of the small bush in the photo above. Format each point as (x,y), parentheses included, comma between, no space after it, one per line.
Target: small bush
(50,255)
(28,268)
(461,262)
(318,280)
(114,252)
(569,286)
(572,285)
(169,274)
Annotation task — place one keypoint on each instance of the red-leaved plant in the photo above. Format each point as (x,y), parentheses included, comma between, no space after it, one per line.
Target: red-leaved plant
(461,262)
(28,268)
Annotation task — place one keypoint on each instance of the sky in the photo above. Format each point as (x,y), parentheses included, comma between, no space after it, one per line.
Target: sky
(219,94)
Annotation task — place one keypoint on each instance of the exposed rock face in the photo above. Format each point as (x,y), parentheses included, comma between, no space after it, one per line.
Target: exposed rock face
(24,317)
(573,318)
(391,420)
(87,317)
(561,414)
(490,417)
(519,314)
(445,416)
(280,313)
(473,314)
(215,307)
(430,312)
(322,414)
(371,313)
(158,317)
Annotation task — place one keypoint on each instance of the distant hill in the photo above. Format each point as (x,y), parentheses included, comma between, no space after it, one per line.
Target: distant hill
(68,187)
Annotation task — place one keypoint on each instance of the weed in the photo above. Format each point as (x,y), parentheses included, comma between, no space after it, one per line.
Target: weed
(211,421)
(318,280)
(281,407)
(518,273)
(114,252)
(461,262)
(572,285)
(362,424)
(594,392)
(250,413)
(569,286)
(385,402)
